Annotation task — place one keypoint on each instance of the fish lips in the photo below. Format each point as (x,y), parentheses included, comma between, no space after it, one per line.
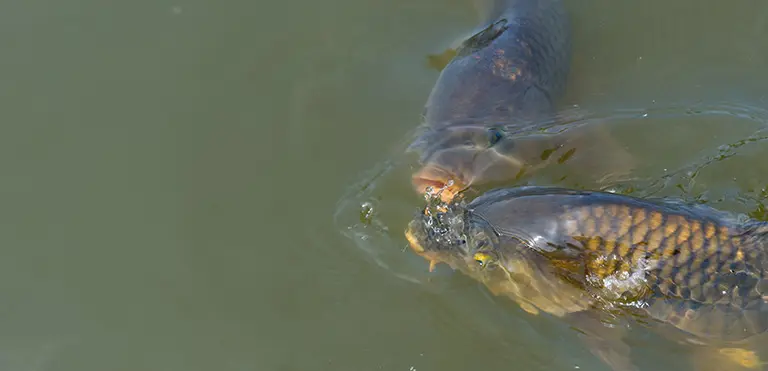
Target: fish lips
(453,170)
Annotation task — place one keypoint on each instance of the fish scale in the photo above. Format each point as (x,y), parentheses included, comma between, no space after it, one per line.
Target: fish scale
(576,253)
(699,265)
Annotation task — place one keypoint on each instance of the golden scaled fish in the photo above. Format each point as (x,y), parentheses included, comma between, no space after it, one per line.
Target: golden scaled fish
(581,254)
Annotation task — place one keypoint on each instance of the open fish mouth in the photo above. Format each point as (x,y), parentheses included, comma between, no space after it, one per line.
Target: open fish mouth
(417,247)
(435,180)
(433,243)
(413,241)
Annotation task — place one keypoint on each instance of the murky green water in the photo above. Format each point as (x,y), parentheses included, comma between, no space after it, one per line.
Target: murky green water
(181,179)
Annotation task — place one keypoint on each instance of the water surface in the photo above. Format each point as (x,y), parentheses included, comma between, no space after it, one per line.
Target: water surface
(181,179)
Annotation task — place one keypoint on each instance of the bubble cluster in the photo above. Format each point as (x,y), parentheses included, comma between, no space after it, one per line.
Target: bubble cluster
(444,221)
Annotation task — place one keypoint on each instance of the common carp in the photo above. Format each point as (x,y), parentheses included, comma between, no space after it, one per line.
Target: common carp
(503,81)
(582,254)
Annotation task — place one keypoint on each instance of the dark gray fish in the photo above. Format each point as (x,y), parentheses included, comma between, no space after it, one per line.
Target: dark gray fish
(503,80)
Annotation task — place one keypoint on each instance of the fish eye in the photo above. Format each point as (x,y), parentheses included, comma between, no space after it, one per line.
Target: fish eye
(482,258)
(494,136)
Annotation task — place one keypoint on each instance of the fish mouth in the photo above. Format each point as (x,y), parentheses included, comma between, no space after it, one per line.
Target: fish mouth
(433,179)
(413,241)
(417,247)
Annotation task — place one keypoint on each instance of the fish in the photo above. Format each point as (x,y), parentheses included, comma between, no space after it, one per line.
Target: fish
(591,255)
(498,87)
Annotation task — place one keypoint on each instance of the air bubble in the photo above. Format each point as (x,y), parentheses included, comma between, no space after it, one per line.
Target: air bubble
(366,213)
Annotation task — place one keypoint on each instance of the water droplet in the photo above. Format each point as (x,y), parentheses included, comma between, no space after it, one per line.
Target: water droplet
(366,213)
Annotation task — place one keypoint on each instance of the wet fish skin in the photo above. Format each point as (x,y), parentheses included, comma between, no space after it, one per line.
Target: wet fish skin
(693,261)
(570,252)
(501,80)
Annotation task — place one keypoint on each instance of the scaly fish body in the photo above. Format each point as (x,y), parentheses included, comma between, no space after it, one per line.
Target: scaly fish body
(699,270)
(694,267)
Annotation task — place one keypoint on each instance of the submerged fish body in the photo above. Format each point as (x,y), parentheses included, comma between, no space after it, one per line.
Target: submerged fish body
(508,74)
(503,84)
(516,67)
(566,251)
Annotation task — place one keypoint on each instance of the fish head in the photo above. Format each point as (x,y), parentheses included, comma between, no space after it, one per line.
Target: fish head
(458,157)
